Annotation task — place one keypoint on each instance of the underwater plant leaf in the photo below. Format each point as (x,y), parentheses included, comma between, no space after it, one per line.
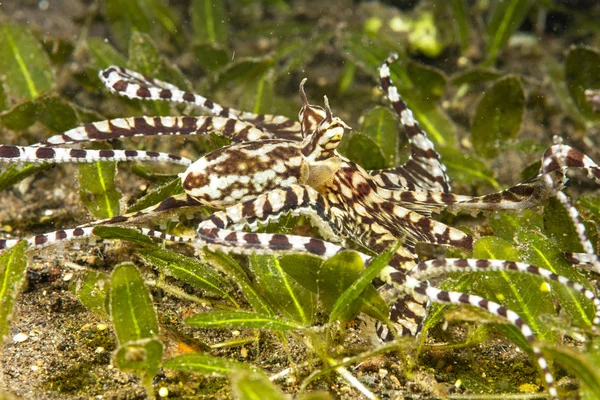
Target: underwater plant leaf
(430,81)
(526,295)
(475,75)
(25,66)
(294,55)
(251,386)
(231,268)
(13,269)
(555,73)
(462,22)
(52,111)
(255,80)
(103,55)
(92,291)
(316,395)
(504,20)
(559,227)
(98,190)
(15,173)
(589,203)
(581,365)
(304,268)
(543,252)
(284,293)
(145,58)
(524,230)
(157,195)
(211,56)
(380,125)
(3,98)
(352,293)
(467,168)
(498,116)
(506,223)
(131,309)
(338,274)
(367,51)
(241,319)
(207,365)
(187,269)
(118,232)
(147,16)
(582,72)
(135,323)
(364,151)
(209,21)
(142,357)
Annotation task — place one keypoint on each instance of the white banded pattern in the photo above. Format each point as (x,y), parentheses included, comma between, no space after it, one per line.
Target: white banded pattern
(119,128)
(561,157)
(60,155)
(423,171)
(133,85)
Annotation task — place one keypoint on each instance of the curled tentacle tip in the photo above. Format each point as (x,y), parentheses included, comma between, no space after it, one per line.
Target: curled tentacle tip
(327,109)
(303,93)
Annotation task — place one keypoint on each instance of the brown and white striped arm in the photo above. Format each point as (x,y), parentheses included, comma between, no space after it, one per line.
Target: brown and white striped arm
(236,130)
(424,169)
(134,85)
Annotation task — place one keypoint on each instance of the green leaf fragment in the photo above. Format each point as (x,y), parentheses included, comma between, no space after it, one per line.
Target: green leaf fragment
(506,17)
(582,72)
(363,150)
(131,308)
(352,293)
(541,251)
(466,168)
(338,274)
(524,294)
(15,174)
(284,293)
(430,81)
(231,268)
(211,56)
(117,232)
(209,21)
(23,63)
(475,75)
(135,323)
(462,22)
(145,58)
(52,111)
(98,190)
(104,55)
(147,16)
(591,204)
(582,366)
(13,269)
(241,319)
(249,386)
(498,116)
(559,227)
(142,357)
(255,79)
(92,291)
(380,125)
(157,195)
(187,269)
(207,364)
